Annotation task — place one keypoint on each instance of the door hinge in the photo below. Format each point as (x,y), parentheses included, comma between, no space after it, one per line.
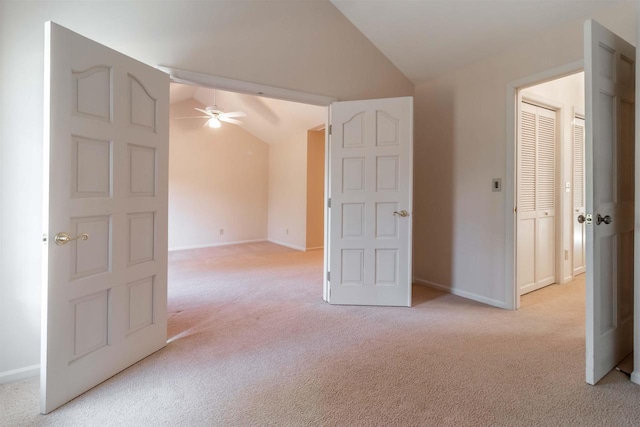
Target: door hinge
(329,202)
(329,278)
(515,210)
(330,129)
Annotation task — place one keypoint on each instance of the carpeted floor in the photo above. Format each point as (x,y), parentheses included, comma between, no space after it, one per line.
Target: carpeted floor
(253,344)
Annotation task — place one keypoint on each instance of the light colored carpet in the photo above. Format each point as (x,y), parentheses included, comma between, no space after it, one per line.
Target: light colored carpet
(253,344)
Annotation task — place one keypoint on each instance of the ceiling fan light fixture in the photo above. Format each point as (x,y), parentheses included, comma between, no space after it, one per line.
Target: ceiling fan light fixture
(214,123)
(215,116)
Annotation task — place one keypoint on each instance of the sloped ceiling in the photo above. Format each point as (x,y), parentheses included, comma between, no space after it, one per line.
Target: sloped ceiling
(270,120)
(426,38)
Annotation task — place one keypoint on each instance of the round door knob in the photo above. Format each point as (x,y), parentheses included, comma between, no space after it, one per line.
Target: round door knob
(606,219)
(581,219)
(402,213)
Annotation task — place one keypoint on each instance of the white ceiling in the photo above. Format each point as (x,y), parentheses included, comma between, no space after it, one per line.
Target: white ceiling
(425,38)
(271,120)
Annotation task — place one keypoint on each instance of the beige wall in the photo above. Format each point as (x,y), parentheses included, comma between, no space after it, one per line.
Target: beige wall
(296,191)
(315,189)
(300,45)
(228,179)
(218,180)
(569,93)
(288,192)
(461,144)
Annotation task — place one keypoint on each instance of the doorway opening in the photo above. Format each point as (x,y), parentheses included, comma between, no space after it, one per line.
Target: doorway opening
(252,184)
(550,183)
(609,170)
(191,78)
(261,178)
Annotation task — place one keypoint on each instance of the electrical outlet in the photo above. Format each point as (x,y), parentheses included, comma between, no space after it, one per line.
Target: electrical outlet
(221,231)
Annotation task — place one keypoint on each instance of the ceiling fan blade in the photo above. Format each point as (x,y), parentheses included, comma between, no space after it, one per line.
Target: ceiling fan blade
(203,111)
(228,120)
(193,117)
(235,114)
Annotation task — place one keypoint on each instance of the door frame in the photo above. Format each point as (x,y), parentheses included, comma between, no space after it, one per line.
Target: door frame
(576,114)
(559,231)
(211,81)
(512,298)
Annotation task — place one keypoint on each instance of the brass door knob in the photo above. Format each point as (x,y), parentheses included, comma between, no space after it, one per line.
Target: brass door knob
(402,213)
(64,238)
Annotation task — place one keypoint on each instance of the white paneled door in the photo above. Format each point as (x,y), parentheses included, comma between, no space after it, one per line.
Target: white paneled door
(106,163)
(536,213)
(370,163)
(609,156)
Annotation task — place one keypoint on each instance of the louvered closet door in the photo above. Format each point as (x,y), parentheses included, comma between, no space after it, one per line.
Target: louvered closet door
(536,197)
(578,196)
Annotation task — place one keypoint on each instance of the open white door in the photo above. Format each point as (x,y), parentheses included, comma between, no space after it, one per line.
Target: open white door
(371,179)
(106,165)
(609,154)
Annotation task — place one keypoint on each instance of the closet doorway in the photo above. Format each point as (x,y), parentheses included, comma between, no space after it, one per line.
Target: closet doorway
(550,183)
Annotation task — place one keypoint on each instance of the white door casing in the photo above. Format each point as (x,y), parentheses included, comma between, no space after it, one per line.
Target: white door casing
(578,264)
(371,182)
(609,155)
(536,213)
(105,171)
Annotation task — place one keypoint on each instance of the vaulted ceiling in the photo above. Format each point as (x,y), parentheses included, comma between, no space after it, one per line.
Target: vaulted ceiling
(270,120)
(425,38)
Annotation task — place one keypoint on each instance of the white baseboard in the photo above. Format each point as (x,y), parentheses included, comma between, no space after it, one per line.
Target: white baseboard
(288,245)
(460,293)
(19,374)
(213,245)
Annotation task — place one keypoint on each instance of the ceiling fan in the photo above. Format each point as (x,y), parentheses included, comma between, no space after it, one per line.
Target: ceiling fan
(215,116)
